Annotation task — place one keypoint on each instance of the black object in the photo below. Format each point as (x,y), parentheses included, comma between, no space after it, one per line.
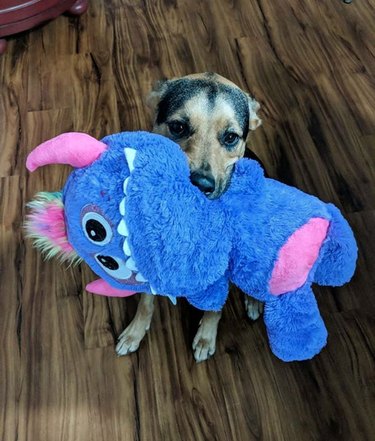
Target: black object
(251,155)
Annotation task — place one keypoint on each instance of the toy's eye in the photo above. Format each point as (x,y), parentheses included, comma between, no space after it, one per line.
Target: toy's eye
(96,228)
(113,266)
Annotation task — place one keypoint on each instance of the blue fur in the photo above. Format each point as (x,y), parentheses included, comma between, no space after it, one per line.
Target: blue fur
(295,329)
(187,245)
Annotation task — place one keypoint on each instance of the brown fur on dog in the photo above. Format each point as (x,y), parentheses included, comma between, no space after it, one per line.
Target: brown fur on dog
(200,112)
(212,107)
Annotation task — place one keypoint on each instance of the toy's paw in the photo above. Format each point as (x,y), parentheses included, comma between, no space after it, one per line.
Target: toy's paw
(295,328)
(204,343)
(299,347)
(254,308)
(131,338)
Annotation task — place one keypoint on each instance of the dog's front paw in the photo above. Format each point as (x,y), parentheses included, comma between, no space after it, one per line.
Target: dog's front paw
(204,343)
(130,340)
(203,347)
(254,308)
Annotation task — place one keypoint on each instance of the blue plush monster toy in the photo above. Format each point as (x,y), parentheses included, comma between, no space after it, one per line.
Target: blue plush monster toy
(130,212)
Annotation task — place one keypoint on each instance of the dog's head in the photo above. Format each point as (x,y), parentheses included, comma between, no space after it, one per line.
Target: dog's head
(210,118)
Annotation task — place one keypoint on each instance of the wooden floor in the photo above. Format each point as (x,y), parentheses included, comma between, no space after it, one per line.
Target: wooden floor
(311,66)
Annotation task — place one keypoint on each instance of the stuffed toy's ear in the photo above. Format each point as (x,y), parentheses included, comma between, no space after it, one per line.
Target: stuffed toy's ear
(45,224)
(73,148)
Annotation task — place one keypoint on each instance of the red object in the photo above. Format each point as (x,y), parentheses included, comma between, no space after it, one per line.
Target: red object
(21,15)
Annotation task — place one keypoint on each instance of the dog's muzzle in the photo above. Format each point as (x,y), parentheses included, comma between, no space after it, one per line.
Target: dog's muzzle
(204,181)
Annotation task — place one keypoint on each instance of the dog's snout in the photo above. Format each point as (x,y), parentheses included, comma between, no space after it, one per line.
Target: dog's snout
(204,181)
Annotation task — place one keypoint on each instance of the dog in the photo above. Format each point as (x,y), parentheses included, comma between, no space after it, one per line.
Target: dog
(210,118)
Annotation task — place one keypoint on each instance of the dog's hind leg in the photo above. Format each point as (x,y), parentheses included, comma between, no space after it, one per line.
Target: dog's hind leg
(253,307)
(132,336)
(204,344)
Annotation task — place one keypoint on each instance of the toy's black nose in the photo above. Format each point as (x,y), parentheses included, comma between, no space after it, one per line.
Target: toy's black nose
(204,181)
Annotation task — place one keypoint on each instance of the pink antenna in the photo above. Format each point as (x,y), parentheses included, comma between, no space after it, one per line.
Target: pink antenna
(74,148)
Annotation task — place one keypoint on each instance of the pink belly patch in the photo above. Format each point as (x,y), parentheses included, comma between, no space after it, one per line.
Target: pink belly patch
(297,256)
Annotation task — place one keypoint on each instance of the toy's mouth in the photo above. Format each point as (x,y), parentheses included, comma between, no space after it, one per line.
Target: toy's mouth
(135,276)
(123,270)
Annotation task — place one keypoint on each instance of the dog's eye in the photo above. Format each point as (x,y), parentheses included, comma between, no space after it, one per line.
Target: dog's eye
(178,128)
(230,139)
(96,228)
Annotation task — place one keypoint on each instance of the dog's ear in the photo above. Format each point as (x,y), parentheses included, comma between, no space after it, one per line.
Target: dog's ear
(157,93)
(254,120)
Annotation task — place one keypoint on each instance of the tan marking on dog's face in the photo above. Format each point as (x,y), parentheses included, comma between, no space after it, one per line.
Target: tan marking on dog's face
(204,148)
(254,120)
(208,122)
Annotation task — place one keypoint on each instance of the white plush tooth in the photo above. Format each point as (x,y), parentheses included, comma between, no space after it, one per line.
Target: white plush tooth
(125,273)
(130,156)
(125,185)
(126,248)
(122,228)
(122,207)
(172,299)
(140,278)
(153,290)
(131,264)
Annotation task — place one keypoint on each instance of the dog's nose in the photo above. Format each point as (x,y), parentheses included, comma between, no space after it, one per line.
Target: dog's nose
(205,182)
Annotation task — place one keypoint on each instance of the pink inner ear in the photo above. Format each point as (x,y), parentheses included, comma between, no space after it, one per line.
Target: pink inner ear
(297,256)
(102,288)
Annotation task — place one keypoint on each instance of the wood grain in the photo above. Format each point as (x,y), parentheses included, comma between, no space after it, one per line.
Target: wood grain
(311,66)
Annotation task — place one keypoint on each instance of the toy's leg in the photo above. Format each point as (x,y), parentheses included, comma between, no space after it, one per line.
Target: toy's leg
(295,328)
(204,344)
(132,336)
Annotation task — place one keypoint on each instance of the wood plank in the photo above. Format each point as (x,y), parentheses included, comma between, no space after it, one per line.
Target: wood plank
(311,66)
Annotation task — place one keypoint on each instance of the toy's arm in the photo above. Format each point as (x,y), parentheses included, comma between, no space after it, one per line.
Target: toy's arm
(178,239)
(211,299)
(176,235)
(295,328)
(246,185)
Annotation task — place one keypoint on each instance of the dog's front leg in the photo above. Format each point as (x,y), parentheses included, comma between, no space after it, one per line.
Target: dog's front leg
(204,344)
(132,336)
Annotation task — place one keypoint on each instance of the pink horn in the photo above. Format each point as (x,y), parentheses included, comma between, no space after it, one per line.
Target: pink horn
(75,149)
